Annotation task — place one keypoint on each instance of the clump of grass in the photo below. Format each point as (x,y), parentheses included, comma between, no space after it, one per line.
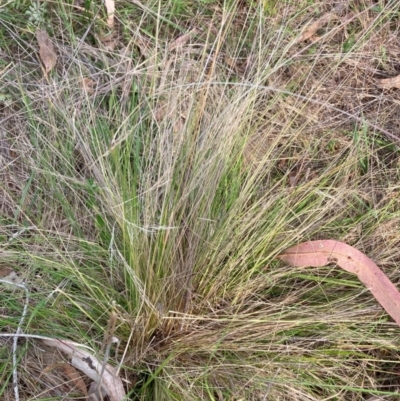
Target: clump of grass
(165,192)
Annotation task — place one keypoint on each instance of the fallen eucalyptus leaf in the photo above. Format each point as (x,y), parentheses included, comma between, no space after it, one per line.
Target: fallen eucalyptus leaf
(181,40)
(321,253)
(312,29)
(92,368)
(71,372)
(75,378)
(46,50)
(388,83)
(110,7)
(88,85)
(9,278)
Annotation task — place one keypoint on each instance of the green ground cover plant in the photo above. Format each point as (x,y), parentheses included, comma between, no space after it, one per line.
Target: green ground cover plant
(153,174)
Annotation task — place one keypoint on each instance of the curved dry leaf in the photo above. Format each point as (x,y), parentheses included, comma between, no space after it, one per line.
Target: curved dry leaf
(88,85)
(75,377)
(108,41)
(110,7)
(312,29)
(181,40)
(92,368)
(71,372)
(321,253)
(6,273)
(388,83)
(46,50)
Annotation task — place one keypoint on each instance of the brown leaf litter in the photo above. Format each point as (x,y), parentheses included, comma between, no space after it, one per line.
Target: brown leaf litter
(388,83)
(324,252)
(46,50)
(312,29)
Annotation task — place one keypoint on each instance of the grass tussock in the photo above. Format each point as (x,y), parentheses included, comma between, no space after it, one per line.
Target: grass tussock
(159,181)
